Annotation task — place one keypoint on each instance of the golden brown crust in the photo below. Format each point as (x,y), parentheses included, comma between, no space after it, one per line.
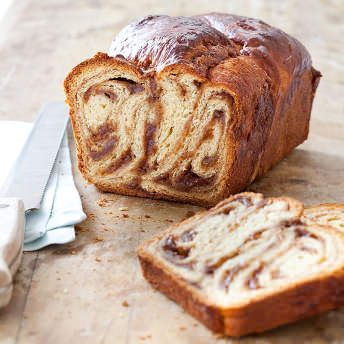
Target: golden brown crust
(165,283)
(267,73)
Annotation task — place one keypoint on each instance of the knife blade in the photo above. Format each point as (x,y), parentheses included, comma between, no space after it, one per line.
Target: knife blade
(30,173)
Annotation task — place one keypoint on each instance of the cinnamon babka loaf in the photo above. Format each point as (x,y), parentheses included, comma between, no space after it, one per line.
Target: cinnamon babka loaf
(331,214)
(248,265)
(190,108)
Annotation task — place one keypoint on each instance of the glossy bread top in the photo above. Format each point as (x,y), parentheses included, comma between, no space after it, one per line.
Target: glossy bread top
(204,41)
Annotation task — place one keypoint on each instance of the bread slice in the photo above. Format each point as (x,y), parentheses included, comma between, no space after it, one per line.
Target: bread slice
(248,265)
(191,109)
(330,214)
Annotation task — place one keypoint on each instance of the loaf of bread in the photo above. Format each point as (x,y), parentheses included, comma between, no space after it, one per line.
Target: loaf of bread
(191,109)
(248,265)
(328,214)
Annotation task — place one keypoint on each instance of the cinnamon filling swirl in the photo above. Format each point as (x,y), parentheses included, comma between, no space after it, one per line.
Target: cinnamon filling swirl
(248,245)
(133,134)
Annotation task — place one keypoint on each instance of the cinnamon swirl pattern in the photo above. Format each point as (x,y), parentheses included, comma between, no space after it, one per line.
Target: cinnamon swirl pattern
(245,251)
(147,142)
(190,108)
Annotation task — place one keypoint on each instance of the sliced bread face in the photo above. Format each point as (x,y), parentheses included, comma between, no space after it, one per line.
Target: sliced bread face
(132,142)
(248,265)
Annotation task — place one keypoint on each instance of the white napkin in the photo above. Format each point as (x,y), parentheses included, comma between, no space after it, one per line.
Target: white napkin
(61,207)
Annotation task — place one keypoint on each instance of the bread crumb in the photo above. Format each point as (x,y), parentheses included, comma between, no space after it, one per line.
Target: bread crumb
(97,239)
(145,337)
(91,216)
(143,230)
(189,213)
(123,208)
(125,216)
(168,220)
(98,259)
(125,303)
(147,217)
(103,202)
(73,252)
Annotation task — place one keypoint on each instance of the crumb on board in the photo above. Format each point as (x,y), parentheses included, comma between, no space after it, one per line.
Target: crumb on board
(97,239)
(103,202)
(189,213)
(148,336)
(143,230)
(98,259)
(148,216)
(125,216)
(73,252)
(125,303)
(91,216)
(123,209)
(168,220)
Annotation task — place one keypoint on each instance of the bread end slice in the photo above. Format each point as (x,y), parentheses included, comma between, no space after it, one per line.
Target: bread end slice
(319,288)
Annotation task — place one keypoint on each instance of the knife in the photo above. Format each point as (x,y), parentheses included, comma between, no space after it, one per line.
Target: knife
(30,173)
(24,188)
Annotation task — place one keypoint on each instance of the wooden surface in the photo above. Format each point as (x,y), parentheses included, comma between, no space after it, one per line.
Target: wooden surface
(92,291)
